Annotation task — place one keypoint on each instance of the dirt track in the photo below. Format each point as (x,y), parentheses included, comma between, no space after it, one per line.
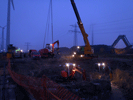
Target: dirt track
(53,67)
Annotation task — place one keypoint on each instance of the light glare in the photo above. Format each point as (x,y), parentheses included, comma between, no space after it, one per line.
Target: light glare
(103,64)
(98,64)
(67,64)
(78,47)
(74,65)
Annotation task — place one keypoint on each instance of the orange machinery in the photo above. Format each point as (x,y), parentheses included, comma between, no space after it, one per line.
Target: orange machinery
(49,50)
(71,69)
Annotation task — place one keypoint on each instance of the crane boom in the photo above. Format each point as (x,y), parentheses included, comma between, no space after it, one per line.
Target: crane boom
(87,48)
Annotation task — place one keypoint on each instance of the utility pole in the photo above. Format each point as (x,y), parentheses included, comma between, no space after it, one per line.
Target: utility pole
(27,44)
(75,33)
(2,46)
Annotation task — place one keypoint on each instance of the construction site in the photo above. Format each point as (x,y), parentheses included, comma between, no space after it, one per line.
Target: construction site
(85,72)
(43,79)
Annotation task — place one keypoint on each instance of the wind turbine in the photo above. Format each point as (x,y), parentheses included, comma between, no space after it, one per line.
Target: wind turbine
(8,23)
(2,47)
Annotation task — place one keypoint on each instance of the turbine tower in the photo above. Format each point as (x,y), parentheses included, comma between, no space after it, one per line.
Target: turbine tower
(2,47)
(8,23)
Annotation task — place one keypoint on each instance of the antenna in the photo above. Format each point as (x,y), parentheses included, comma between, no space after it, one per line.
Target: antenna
(8,23)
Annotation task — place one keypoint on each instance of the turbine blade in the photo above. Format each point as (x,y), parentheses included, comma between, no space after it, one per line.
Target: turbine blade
(12,4)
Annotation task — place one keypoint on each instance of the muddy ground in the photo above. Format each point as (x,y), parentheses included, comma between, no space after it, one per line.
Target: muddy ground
(52,67)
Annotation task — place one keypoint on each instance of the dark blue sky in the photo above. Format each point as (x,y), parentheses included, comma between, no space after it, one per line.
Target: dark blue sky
(110,18)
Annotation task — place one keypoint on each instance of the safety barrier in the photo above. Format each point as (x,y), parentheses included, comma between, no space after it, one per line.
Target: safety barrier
(42,88)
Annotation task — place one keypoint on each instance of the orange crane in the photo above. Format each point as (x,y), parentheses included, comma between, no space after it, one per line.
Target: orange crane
(88,51)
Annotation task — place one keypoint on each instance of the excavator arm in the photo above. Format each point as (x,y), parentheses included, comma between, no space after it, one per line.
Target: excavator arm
(54,44)
(87,48)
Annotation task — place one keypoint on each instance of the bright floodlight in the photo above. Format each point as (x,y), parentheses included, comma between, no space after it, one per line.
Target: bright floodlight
(50,44)
(74,53)
(67,64)
(103,64)
(98,64)
(81,55)
(78,47)
(21,50)
(74,65)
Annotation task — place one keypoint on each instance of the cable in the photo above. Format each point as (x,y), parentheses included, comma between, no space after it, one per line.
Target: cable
(114,28)
(62,35)
(114,22)
(113,32)
(47,24)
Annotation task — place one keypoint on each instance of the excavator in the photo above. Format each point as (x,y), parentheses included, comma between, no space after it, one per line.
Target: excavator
(70,69)
(48,52)
(87,51)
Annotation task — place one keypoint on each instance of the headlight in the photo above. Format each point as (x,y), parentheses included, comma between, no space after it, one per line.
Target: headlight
(81,55)
(67,64)
(103,64)
(74,65)
(78,47)
(98,64)
(74,53)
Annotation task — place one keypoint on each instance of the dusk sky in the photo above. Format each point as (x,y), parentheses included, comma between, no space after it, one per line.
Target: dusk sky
(110,18)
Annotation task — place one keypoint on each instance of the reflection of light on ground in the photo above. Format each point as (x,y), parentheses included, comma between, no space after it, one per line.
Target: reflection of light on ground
(116,93)
(99,76)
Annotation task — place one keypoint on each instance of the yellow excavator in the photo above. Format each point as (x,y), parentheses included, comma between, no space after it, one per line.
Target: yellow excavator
(87,51)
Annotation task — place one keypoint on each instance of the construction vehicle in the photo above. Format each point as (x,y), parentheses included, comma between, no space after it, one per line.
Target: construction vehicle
(14,52)
(127,50)
(87,50)
(34,54)
(125,40)
(30,52)
(48,52)
(71,69)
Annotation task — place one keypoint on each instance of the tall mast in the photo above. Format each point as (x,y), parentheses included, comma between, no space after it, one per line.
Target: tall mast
(52,20)
(8,25)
